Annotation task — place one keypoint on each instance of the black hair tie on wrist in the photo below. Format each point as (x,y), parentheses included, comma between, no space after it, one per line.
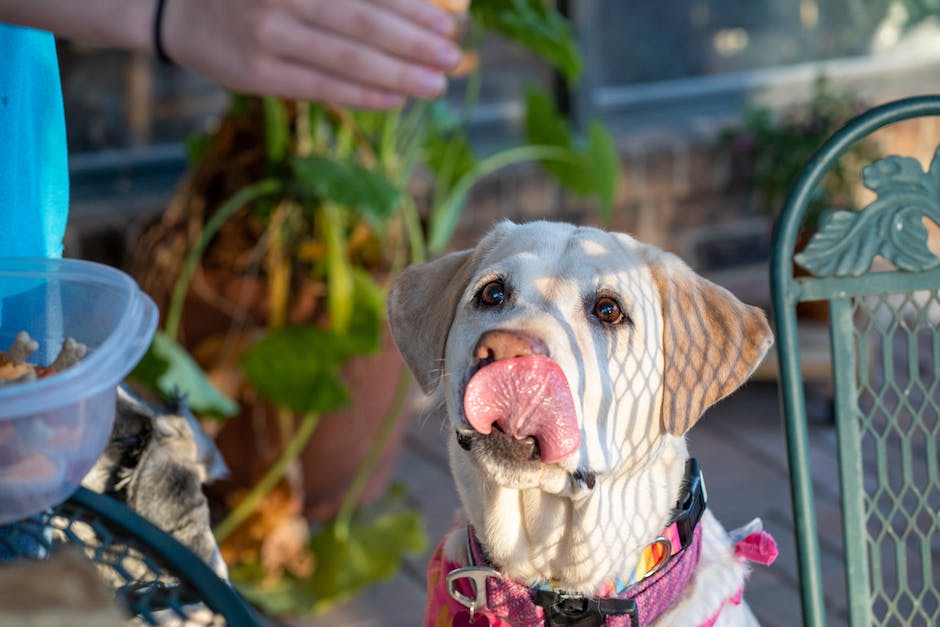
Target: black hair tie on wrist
(158,48)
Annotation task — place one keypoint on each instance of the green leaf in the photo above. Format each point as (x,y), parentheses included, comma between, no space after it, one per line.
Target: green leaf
(593,167)
(544,125)
(442,116)
(450,157)
(346,183)
(536,25)
(197,145)
(276,128)
(446,211)
(370,299)
(604,165)
(372,551)
(288,596)
(241,104)
(168,368)
(299,367)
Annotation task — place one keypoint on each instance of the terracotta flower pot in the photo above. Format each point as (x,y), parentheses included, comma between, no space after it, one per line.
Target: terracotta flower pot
(251,441)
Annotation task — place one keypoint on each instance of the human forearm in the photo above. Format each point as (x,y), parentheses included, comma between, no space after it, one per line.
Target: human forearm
(107,23)
(360,53)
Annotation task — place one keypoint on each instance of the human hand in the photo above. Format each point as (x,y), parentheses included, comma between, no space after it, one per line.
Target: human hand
(359,53)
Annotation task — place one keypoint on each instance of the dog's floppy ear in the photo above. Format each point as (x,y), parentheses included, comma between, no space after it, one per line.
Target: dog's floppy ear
(421,306)
(711,340)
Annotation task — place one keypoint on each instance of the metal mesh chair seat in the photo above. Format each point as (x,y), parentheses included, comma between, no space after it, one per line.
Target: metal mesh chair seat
(155,578)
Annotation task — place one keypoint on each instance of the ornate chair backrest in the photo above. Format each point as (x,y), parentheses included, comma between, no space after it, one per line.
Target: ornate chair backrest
(875,268)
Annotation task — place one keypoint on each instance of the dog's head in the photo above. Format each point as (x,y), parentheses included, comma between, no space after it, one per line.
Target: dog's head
(566,354)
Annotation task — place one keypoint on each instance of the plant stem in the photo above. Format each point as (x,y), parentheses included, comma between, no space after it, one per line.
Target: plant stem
(444,216)
(388,156)
(304,132)
(240,199)
(413,227)
(411,127)
(471,96)
(404,154)
(341,294)
(351,500)
(345,134)
(270,479)
(278,264)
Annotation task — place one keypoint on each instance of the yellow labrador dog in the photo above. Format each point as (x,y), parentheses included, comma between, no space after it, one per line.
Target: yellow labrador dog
(570,362)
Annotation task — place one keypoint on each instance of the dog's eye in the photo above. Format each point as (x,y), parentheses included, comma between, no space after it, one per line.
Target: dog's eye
(493,294)
(608,310)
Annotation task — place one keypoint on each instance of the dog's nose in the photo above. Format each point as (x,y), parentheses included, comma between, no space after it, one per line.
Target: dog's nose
(499,344)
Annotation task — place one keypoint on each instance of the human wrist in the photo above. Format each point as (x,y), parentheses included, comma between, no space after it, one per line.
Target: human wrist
(130,25)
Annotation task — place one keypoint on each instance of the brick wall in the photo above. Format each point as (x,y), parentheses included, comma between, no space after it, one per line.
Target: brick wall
(691,197)
(688,195)
(674,194)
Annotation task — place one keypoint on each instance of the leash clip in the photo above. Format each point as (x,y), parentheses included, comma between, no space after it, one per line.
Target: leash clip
(477,576)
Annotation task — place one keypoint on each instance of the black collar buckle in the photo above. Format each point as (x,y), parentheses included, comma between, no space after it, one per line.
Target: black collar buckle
(563,610)
(694,500)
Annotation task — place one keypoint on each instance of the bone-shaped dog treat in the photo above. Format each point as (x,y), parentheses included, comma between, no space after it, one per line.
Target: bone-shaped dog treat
(15,369)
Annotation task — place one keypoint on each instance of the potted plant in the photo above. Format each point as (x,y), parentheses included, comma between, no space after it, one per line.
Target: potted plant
(271,265)
(777,145)
(774,147)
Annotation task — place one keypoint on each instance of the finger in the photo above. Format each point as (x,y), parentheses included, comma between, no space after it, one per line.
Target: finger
(349,61)
(295,81)
(378,27)
(423,12)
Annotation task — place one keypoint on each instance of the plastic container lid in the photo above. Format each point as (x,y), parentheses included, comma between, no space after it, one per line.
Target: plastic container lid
(64,420)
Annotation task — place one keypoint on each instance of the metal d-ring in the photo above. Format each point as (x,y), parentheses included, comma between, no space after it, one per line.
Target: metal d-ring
(477,576)
(668,554)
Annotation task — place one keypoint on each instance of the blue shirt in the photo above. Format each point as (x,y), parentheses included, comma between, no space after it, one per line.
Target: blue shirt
(34,187)
(34,192)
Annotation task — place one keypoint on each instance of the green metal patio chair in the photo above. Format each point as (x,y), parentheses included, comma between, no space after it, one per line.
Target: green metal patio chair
(882,284)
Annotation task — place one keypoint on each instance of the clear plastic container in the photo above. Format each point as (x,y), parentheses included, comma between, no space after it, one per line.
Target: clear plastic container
(52,430)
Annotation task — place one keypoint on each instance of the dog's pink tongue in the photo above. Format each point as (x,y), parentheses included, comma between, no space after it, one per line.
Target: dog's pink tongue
(525,396)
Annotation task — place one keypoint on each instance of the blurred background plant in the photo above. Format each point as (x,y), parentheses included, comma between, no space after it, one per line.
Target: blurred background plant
(271,265)
(777,145)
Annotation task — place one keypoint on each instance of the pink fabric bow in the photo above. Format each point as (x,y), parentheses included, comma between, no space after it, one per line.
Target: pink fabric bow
(758,547)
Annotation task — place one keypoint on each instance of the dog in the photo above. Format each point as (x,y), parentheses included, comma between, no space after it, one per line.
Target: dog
(156,462)
(570,363)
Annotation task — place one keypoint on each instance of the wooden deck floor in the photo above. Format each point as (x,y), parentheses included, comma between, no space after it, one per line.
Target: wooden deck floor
(740,446)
